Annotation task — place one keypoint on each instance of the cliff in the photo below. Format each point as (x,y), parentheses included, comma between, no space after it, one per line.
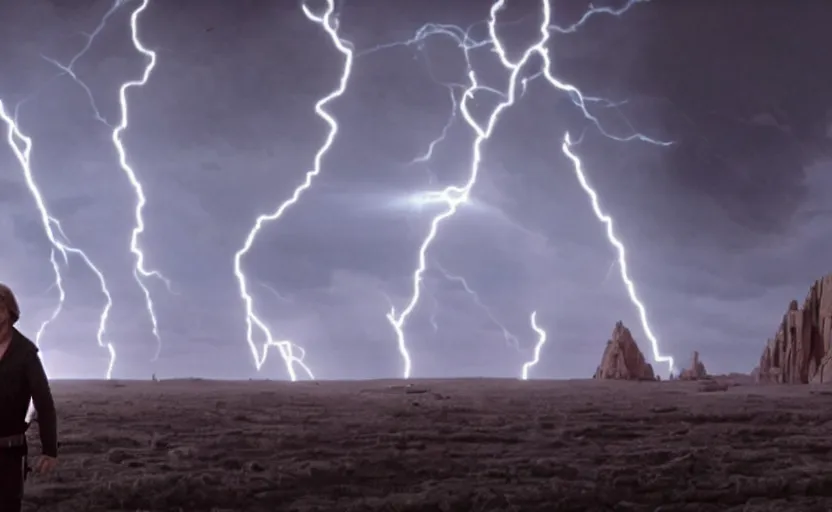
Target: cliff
(801,350)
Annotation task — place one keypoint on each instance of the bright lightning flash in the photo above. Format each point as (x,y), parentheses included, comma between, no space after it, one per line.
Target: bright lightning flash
(21,145)
(140,272)
(541,340)
(619,247)
(329,23)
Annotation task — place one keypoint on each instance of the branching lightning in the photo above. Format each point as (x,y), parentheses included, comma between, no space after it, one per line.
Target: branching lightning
(541,340)
(449,199)
(69,69)
(579,100)
(54,230)
(622,253)
(21,145)
(454,196)
(593,11)
(140,272)
(329,23)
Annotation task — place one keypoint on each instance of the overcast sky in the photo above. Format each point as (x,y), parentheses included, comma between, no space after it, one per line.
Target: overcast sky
(723,228)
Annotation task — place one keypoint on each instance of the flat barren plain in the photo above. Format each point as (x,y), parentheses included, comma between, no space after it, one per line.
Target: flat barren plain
(451,446)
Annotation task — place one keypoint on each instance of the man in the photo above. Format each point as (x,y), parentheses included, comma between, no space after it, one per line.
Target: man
(22,378)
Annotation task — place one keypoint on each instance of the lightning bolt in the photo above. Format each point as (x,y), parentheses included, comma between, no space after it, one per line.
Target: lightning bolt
(453,197)
(21,146)
(619,247)
(58,283)
(286,348)
(575,94)
(466,43)
(541,340)
(140,272)
(580,101)
(510,338)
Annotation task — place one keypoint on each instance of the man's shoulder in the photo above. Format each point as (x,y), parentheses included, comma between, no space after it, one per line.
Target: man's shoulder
(22,344)
(21,352)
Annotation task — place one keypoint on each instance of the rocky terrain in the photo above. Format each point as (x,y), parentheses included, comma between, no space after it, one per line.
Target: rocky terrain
(622,441)
(801,350)
(452,445)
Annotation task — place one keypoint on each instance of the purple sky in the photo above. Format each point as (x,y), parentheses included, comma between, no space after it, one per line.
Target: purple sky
(723,228)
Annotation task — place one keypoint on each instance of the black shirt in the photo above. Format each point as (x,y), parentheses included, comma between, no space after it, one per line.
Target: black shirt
(22,378)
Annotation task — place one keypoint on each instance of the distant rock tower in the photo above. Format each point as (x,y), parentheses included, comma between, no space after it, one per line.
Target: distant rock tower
(622,359)
(696,371)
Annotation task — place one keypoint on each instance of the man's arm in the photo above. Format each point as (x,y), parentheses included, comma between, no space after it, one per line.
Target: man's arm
(44,405)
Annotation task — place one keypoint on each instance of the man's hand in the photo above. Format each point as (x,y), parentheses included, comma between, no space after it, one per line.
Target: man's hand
(45,464)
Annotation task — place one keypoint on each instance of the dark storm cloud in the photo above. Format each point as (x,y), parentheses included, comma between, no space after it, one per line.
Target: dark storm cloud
(723,227)
(750,113)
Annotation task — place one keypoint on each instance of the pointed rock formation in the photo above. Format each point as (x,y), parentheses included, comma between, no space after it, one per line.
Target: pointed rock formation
(696,371)
(801,351)
(622,359)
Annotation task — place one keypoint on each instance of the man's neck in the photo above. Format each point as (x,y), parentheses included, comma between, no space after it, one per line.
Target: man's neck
(4,345)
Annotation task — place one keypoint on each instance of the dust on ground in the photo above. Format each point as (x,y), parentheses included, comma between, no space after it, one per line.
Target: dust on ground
(451,446)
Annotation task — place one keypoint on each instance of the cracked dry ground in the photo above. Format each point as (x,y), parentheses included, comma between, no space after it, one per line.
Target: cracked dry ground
(455,445)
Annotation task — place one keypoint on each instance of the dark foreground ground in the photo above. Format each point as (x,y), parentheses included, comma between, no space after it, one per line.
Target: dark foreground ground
(451,446)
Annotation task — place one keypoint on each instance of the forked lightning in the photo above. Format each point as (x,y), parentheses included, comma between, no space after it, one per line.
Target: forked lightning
(453,197)
(287,348)
(450,199)
(21,146)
